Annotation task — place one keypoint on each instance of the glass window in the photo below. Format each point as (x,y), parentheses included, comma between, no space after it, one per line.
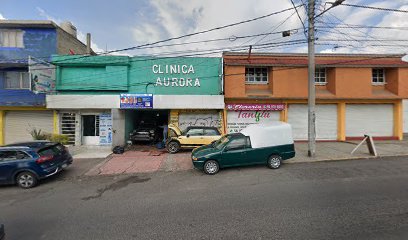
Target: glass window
(378,76)
(17,80)
(11,38)
(195,132)
(211,132)
(13,155)
(256,75)
(237,143)
(320,76)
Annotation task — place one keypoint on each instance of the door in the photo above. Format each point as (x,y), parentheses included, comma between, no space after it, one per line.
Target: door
(211,135)
(326,121)
(195,136)
(68,126)
(234,153)
(18,124)
(9,160)
(90,129)
(376,120)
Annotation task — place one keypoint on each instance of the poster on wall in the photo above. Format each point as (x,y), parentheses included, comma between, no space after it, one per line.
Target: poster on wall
(105,129)
(135,101)
(42,75)
(239,119)
(210,119)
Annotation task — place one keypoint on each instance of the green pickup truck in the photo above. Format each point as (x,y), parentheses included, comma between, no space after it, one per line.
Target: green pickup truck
(267,144)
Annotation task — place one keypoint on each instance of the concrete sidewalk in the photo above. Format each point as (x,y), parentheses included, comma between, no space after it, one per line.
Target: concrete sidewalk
(149,159)
(81,152)
(326,151)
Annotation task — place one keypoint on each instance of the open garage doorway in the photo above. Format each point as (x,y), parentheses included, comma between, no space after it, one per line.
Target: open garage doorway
(146,127)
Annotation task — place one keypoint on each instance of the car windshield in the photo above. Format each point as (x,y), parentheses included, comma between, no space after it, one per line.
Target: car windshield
(220,143)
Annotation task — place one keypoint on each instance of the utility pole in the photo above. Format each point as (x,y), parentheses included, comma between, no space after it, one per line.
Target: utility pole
(311,81)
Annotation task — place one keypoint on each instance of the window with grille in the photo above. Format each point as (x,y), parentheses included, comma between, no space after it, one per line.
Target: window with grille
(320,76)
(378,76)
(68,126)
(17,80)
(256,75)
(11,38)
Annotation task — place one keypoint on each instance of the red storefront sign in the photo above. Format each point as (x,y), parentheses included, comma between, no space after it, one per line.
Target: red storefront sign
(255,107)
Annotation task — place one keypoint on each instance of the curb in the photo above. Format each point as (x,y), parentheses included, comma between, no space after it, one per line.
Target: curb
(345,159)
(97,167)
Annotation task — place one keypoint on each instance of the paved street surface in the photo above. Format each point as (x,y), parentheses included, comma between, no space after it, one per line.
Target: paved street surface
(358,199)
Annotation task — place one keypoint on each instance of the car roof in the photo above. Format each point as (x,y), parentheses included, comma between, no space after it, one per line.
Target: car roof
(14,148)
(200,127)
(32,144)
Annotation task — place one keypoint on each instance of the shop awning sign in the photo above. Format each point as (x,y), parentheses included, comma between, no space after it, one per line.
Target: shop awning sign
(42,75)
(255,107)
(135,101)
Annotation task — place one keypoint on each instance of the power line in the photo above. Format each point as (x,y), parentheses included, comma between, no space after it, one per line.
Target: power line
(304,27)
(374,8)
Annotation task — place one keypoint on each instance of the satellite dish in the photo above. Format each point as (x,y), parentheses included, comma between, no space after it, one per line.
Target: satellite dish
(405,58)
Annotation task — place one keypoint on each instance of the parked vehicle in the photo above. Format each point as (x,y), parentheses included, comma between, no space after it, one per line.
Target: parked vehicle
(2,232)
(145,132)
(256,144)
(26,163)
(193,136)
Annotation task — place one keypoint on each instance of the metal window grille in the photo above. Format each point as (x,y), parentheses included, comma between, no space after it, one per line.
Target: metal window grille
(378,76)
(256,75)
(68,126)
(320,76)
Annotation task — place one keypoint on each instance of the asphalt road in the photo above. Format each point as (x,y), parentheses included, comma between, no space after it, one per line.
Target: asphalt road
(357,199)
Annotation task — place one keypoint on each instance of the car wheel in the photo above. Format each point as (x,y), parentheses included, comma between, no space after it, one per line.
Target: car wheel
(26,180)
(173,147)
(211,167)
(274,161)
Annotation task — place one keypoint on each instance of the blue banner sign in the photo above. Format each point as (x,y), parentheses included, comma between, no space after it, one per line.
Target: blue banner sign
(105,129)
(136,101)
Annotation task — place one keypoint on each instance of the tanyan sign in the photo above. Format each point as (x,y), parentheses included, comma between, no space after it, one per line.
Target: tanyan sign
(42,76)
(131,101)
(175,75)
(241,115)
(255,107)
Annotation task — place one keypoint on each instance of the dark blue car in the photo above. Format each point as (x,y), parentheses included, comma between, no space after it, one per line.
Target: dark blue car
(26,163)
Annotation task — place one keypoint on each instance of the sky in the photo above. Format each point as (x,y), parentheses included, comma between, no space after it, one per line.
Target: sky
(121,24)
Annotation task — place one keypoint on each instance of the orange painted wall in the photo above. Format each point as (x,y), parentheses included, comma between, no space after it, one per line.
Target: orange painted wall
(353,82)
(346,82)
(391,78)
(403,82)
(234,81)
(289,83)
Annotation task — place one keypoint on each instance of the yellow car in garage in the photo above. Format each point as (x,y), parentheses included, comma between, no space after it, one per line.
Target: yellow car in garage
(192,137)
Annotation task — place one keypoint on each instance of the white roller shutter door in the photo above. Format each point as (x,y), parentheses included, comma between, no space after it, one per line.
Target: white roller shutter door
(372,119)
(207,119)
(18,124)
(326,121)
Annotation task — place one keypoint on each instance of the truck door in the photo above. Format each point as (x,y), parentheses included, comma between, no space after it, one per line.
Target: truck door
(234,153)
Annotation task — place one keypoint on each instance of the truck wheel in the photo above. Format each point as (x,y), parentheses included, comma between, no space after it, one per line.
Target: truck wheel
(26,180)
(173,147)
(274,161)
(211,167)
